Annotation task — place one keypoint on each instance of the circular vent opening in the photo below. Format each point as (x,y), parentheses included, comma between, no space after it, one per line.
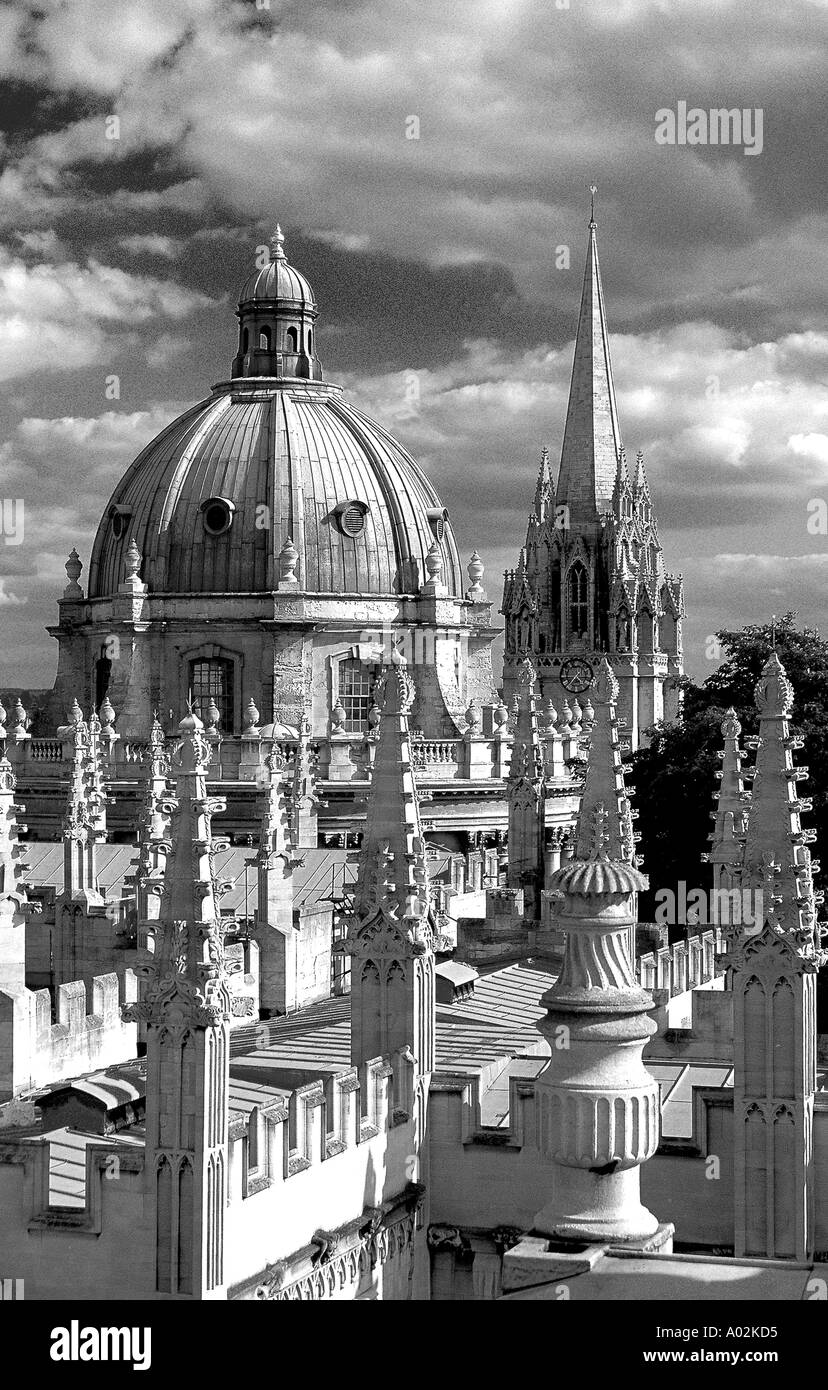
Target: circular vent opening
(352,519)
(217,515)
(118,525)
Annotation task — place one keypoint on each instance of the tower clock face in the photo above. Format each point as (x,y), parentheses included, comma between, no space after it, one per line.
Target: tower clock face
(576,675)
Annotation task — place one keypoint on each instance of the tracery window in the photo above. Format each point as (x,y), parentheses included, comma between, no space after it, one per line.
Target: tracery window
(577,584)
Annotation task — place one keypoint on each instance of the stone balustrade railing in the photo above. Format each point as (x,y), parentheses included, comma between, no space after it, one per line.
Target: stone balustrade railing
(339,757)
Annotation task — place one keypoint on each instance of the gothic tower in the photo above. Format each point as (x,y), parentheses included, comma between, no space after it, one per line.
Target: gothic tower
(591,580)
(391,939)
(774,989)
(186,1008)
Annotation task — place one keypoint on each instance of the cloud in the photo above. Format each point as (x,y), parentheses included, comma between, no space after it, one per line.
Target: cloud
(65,315)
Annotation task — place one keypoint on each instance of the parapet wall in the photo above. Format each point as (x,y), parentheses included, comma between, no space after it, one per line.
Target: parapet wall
(34,1051)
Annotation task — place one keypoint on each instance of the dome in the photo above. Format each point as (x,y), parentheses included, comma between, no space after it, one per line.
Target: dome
(274,477)
(212,501)
(278,279)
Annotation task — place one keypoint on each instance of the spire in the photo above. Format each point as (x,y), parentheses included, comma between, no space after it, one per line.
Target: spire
(604,830)
(777,860)
(304,801)
(391,941)
(392,872)
(728,836)
(153,828)
(543,487)
(186,977)
(84,819)
(774,972)
(275,862)
(591,436)
(186,1010)
(526,790)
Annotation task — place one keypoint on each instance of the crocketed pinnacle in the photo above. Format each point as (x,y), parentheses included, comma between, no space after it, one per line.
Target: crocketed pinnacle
(393,876)
(604,858)
(777,860)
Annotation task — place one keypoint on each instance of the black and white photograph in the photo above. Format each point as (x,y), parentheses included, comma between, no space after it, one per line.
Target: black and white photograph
(413,688)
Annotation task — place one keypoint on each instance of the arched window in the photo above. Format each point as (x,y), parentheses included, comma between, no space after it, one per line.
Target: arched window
(577,583)
(213,680)
(356,683)
(290,338)
(264,340)
(310,340)
(245,339)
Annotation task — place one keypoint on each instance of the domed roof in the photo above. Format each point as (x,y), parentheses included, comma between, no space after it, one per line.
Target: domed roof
(278,279)
(284,459)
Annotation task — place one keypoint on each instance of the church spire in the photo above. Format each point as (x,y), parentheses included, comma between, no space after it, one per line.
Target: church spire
(592,437)
(727,840)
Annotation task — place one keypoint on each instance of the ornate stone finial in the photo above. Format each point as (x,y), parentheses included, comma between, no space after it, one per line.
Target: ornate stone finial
(474,717)
(277,245)
(403,684)
(132,560)
(475,570)
(500,716)
(107,715)
(20,715)
(338,717)
(73,568)
(213,714)
(588,713)
(374,717)
(605,683)
(434,566)
(2,721)
(550,718)
(190,724)
(156,737)
(592,191)
(74,713)
(251,718)
(288,560)
(526,675)
(774,693)
(731,728)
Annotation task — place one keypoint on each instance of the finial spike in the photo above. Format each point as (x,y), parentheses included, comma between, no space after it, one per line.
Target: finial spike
(592,191)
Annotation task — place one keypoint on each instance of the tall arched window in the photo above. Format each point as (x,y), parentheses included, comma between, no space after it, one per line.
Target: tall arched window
(310,340)
(356,683)
(577,584)
(245,339)
(213,680)
(264,340)
(291,340)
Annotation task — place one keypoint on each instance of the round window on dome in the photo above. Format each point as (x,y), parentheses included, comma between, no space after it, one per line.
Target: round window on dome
(352,518)
(217,515)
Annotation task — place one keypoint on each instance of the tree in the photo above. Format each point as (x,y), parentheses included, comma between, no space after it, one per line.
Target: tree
(674,776)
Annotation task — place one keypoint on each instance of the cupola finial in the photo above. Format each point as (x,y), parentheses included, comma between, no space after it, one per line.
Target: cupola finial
(592,191)
(277,245)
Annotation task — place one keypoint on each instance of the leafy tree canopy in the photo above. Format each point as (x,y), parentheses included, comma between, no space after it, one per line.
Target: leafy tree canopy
(674,776)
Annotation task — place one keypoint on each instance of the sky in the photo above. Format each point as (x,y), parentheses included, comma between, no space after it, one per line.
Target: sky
(430,167)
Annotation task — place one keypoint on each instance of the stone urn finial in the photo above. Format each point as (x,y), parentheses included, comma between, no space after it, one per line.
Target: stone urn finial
(132,560)
(475,570)
(288,560)
(213,716)
(73,568)
(107,715)
(251,718)
(500,715)
(474,717)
